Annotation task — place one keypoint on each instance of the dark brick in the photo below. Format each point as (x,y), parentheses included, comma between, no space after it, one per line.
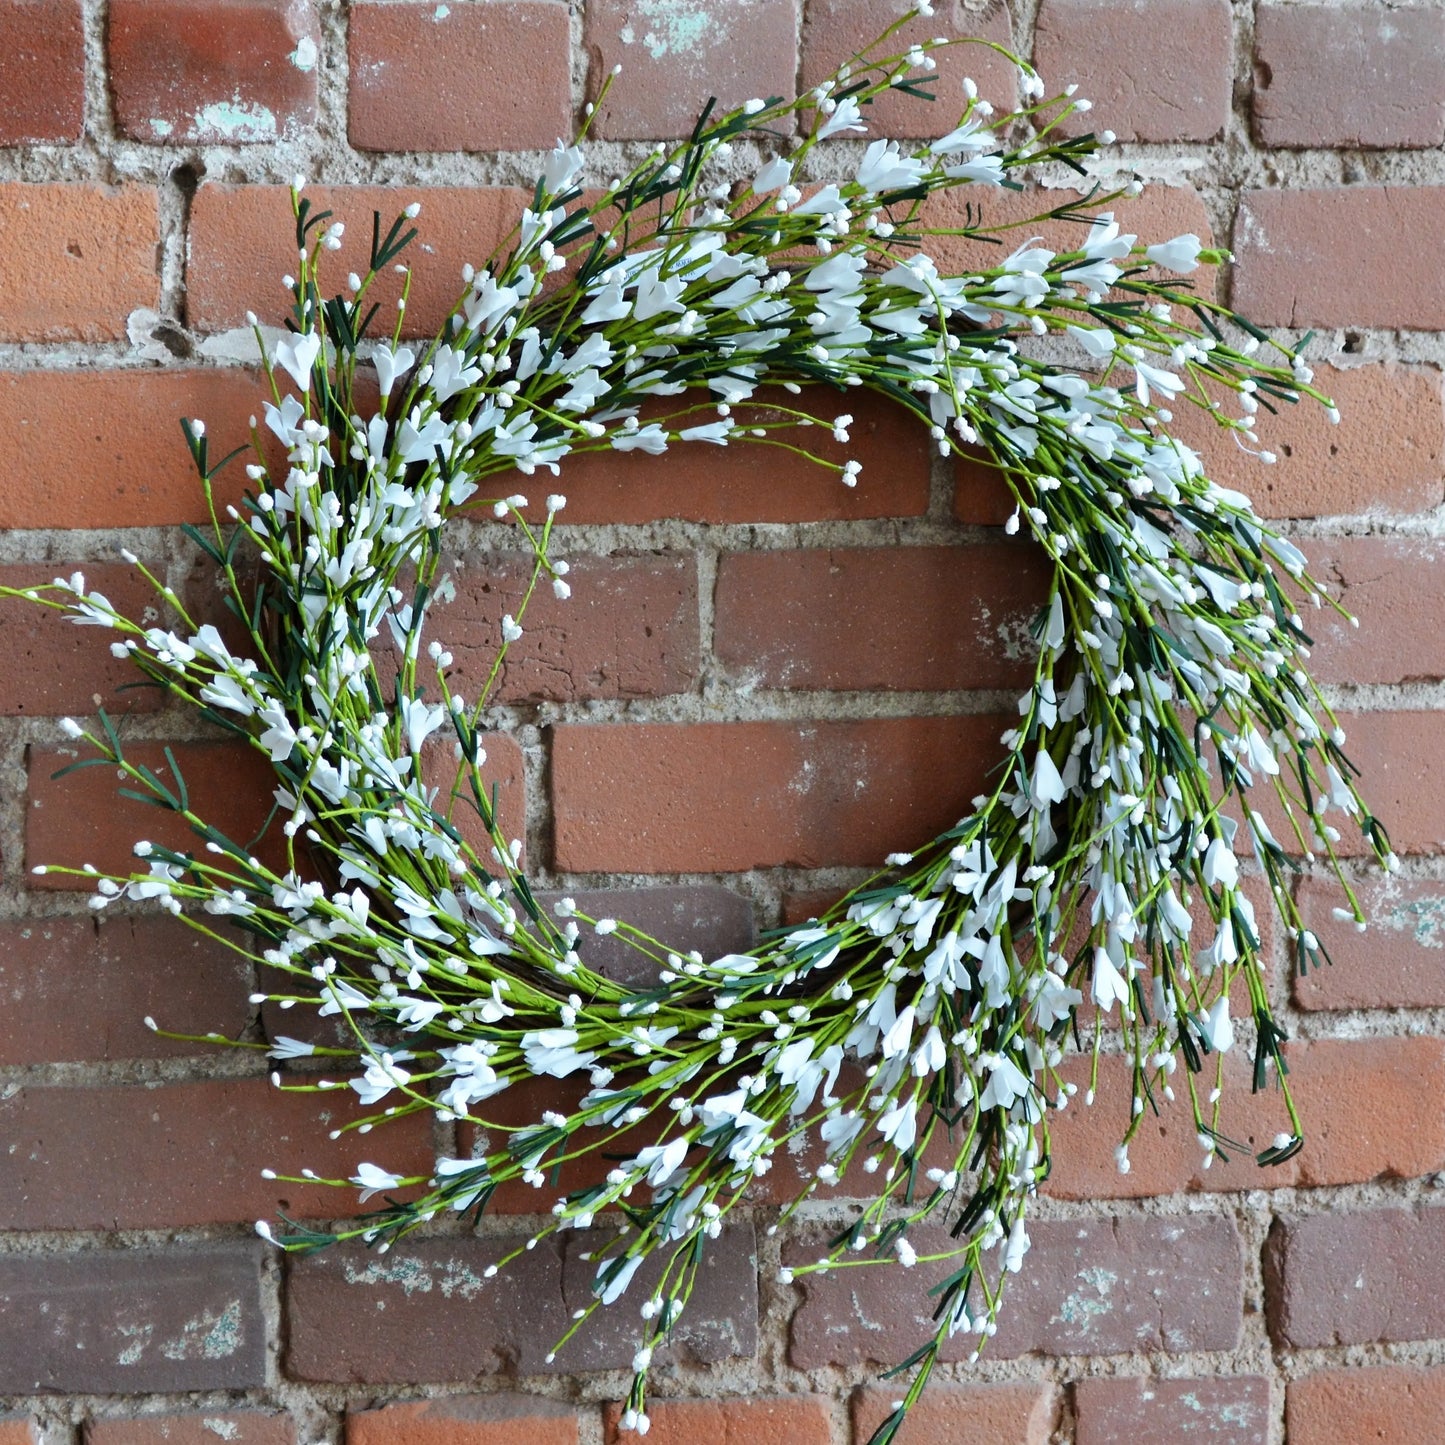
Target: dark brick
(155,1156)
(712,919)
(928,618)
(77,988)
(125,1321)
(630,628)
(1097,1287)
(1127,1410)
(425,1312)
(1355,1278)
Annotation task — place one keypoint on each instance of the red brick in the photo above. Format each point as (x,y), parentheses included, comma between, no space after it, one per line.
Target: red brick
(213,72)
(80,988)
(75,259)
(1401,756)
(18,1430)
(673,60)
(1384,456)
(782,1420)
(1327,75)
(834,31)
(1395,963)
(754,482)
(1158,213)
(466,1420)
(1386,1405)
(724,797)
(104,448)
(1164,76)
(52,667)
(133,1156)
(1356,1277)
(238,1427)
(127,1320)
(80,819)
(1395,587)
(468,78)
(1127,1410)
(1088,1286)
(426,1312)
(1357,1098)
(630,628)
(1340,256)
(1020,1413)
(42,71)
(243,241)
(929,618)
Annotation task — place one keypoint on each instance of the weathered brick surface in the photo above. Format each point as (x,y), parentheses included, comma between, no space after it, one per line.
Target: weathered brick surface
(629,629)
(898,617)
(1401,756)
(242,242)
(1098,1287)
(79,988)
(1340,256)
(1395,587)
(1127,1410)
(135,1156)
(464,78)
(117,1321)
(1012,1414)
(1344,1278)
(104,448)
(205,1427)
(75,259)
(783,1420)
(674,59)
(834,31)
(1384,457)
(754,482)
(1395,963)
(425,1312)
(725,797)
(1386,1405)
(1349,75)
(1358,1098)
(236,72)
(466,1420)
(52,667)
(711,919)
(42,71)
(1161,77)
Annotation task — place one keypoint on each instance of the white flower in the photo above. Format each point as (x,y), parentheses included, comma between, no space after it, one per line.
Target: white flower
(777,172)
(297,354)
(1097,341)
(372,1180)
(1218,1027)
(1109,985)
(845,117)
(1181,255)
(1220,865)
(613,1278)
(661,1161)
(561,167)
(1007,1083)
(390,364)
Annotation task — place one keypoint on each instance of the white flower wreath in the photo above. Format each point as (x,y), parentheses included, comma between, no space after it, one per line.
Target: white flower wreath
(929,1009)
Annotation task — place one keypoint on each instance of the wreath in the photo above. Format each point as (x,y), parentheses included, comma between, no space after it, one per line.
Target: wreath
(927,1012)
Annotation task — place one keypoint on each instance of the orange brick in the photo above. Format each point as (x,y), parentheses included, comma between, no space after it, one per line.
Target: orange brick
(784,1420)
(75,259)
(104,448)
(1013,1414)
(1386,1405)
(725,797)
(466,1420)
(243,241)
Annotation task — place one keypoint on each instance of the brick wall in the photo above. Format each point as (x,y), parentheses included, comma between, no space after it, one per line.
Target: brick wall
(762,684)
